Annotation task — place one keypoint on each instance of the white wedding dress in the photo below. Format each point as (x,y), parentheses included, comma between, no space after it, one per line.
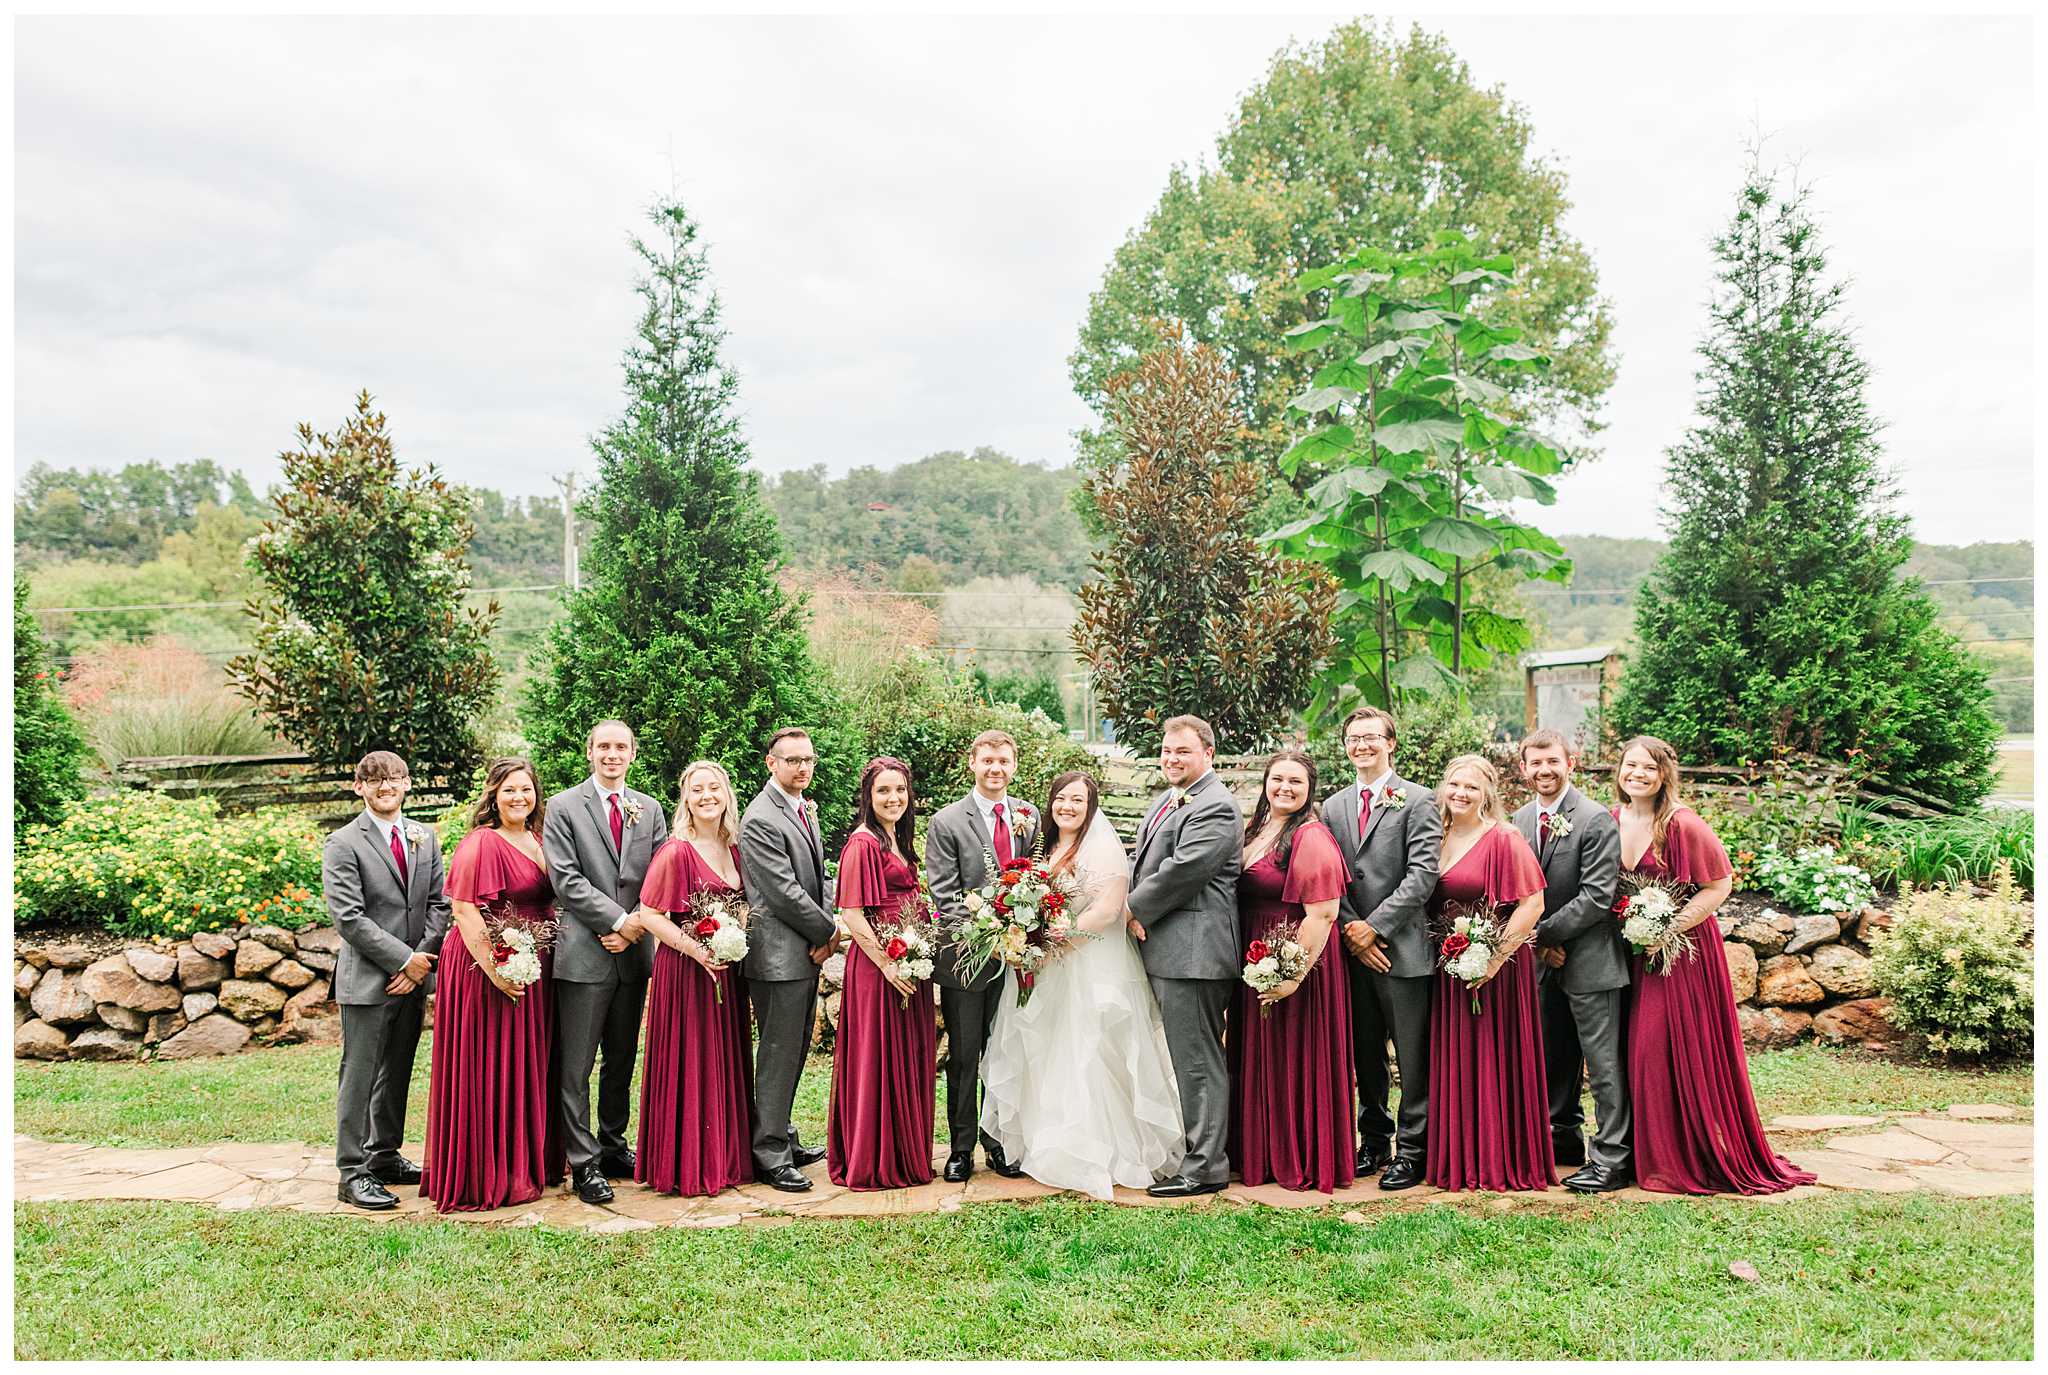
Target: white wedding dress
(1077,1083)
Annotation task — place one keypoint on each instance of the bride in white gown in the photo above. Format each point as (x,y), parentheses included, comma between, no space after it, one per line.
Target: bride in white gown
(1078,1086)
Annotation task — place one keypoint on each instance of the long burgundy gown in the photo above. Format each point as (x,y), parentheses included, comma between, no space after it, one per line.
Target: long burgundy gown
(697,1076)
(1489,1114)
(884,1063)
(491,1139)
(1291,1084)
(1696,1125)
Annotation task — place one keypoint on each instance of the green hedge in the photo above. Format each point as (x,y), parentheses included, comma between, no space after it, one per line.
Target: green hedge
(144,864)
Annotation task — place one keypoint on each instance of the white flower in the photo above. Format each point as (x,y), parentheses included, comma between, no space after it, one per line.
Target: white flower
(919,969)
(415,835)
(728,943)
(972,902)
(1391,799)
(633,810)
(1471,965)
(1560,825)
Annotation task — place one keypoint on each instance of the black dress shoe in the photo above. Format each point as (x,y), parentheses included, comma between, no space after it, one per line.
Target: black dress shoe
(1598,1179)
(618,1165)
(1001,1163)
(959,1165)
(1404,1173)
(590,1184)
(399,1171)
(1372,1158)
(361,1191)
(1180,1186)
(1572,1152)
(806,1156)
(787,1178)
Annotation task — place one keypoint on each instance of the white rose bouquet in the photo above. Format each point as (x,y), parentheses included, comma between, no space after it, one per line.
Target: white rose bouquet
(1648,914)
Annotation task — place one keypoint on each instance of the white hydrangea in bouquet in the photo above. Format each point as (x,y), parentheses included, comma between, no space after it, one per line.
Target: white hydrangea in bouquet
(719,921)
(1274,959)
(1472,936)
(1648,913)
(909,942)
(517,945)
(1020,917)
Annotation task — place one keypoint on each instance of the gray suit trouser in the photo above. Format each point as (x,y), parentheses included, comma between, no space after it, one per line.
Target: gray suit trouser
(1193,1013)
(1384,1007)
(378,1042)
(785,1010)
(1585,1029)
(589,1018)
(969,1015)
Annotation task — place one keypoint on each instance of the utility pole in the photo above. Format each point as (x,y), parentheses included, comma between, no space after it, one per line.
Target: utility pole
(571,575)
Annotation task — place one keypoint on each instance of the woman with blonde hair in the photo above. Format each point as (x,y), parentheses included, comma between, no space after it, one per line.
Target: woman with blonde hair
(697,1084)
(1489,1111)
(1696,1129)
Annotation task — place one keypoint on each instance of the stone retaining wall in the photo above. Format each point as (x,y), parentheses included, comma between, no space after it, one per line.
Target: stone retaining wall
(1806,977)
(210,995)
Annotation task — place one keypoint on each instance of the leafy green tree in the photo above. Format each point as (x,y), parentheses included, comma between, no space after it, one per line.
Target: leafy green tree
(1364,138)
(679,628)
(49,749)
(362,641)
(1186,612)
(1778,620)
(120,515)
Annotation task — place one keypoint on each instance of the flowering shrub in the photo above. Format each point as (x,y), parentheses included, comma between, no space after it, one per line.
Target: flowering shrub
(1813,879)
(143,864)
(1959,969)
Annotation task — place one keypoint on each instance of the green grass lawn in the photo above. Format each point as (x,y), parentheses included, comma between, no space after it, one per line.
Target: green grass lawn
(1841,1278)
(288,1094)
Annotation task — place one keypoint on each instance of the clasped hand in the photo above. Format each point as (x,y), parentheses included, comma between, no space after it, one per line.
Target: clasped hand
(628,932)
(411,975)
(1365,945)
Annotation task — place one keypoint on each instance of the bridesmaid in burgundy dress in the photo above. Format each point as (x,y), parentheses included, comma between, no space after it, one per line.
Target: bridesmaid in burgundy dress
(490,1137)
(884,1063)
(1291,1082)
(1696,1124)
(1489,1113)
(697,1076)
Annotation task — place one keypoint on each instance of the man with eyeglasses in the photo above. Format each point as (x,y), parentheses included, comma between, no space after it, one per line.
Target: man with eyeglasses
(1391,834)
(782,860)
(382,881)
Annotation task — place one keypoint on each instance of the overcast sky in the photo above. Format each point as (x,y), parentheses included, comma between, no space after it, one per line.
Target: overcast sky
(224,227)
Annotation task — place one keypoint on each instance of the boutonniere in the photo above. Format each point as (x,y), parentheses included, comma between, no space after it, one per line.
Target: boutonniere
(1179,802)
(632,810)
(1393,801)
(415,835)
(1560,825)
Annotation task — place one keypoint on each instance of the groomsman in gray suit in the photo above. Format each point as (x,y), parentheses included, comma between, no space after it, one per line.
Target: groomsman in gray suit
(1392,837)
(381,877)
(957,846)
(782,860)
(600,837)
(1584,967)
(1183,907)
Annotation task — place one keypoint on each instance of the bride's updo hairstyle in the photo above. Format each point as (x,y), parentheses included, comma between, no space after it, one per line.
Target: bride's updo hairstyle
(1051,829)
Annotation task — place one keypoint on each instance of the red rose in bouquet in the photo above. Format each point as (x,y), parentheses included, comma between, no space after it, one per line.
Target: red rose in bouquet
(1621,906)
(1054,902)
(1256,951)
(896,949)
(707,928)
(1455,945)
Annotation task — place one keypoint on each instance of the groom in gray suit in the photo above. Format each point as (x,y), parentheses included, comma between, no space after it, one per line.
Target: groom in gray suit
(1392,838)
(1183,906)
(782,860)
(957,845)
(1584,965)
(381,878)
(599,840)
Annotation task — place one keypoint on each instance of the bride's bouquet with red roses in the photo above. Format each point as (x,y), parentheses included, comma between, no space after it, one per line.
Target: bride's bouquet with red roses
(1472,936)
(517,943)
(908,942)
(1649,914)
(1273,959)
(1020,917)
(719,921)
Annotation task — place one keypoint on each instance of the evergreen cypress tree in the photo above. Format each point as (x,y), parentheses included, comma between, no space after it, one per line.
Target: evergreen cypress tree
(48,749)
(680,628)
(1778,619)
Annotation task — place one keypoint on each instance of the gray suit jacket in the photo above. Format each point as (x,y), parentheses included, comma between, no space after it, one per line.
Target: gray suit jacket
(1184,885)
(1581,873)
(783,863)
(381,923)
(595,885)
(1393,870)
(957,845)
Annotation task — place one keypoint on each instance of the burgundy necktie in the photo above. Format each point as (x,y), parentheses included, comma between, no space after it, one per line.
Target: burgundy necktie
(1002,834)
(618,825)
(1364,812)
(398,857)
(1542,829)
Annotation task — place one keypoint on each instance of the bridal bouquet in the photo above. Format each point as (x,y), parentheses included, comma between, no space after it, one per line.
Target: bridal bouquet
(719,921)
(517,944)
(908,942)
(1019,917)
(1273,959)
(1648,914)
(1472,936)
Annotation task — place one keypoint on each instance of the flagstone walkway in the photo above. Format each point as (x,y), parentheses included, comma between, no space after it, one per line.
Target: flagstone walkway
(1967,1152)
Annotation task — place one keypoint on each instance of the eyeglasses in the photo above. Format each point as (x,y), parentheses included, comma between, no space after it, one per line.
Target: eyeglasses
(800,760)
(1365,739)
(400,782)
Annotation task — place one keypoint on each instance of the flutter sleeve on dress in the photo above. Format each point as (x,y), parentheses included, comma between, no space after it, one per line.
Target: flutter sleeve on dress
(480,871)
(1512,871)
(1692,852)
(1315,866)
(667,887)
(862,882)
